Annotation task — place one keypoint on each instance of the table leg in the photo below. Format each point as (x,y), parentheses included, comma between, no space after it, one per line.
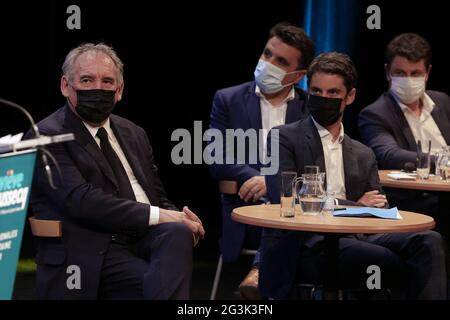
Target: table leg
(443,218)
(331,242)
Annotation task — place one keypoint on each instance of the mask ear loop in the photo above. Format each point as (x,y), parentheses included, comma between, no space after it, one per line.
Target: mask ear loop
(70,103)
(287,73)
(73,88)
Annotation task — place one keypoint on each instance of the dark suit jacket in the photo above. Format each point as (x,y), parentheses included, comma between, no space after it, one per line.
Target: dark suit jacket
(86,202)
(384,128)
(238,107)
(300,145)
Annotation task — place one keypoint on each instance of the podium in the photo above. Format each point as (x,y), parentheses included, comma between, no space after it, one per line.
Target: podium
(16,175)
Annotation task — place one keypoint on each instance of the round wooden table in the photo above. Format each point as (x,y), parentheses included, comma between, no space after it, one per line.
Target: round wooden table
(432,184)
(269,216)
(332,228)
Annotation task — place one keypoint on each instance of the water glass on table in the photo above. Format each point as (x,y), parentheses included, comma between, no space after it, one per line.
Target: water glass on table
(330,197)
(287,200)
(423,159)
(442,163)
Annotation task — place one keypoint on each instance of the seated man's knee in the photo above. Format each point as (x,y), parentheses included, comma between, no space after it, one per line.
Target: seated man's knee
(179,232)
(429,239)
(360,262)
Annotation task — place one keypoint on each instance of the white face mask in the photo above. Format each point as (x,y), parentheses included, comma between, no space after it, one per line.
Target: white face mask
(408,89)
(268,77)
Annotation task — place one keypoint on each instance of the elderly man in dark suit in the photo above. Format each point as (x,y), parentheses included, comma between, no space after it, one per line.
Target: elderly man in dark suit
(406,113)
(352,174)
(271,100)
(119,230)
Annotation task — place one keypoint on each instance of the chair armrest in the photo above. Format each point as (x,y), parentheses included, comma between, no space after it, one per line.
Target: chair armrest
(45,228)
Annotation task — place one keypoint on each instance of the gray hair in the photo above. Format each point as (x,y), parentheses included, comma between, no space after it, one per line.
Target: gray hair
(67,67)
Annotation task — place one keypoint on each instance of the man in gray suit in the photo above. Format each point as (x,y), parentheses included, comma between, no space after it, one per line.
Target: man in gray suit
(352,174)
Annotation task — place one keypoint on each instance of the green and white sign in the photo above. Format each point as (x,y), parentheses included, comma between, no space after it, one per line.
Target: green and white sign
(16,174)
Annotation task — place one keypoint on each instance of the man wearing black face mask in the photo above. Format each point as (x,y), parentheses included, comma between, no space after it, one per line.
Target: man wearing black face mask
(128,240)
(413,261)
(94,105)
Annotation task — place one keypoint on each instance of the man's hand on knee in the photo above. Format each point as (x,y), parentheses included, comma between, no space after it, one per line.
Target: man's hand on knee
(186,217)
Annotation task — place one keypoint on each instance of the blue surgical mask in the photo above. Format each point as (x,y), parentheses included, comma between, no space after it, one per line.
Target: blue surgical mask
(268,77)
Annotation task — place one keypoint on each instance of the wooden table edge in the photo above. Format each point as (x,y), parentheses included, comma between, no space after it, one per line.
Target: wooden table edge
(286,225)
(385,181)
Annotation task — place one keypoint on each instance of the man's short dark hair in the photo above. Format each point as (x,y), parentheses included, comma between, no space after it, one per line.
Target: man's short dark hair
(295,37)
(410,46)
(335,63)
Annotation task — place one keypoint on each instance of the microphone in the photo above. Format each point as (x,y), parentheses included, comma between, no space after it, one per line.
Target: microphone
(44,152)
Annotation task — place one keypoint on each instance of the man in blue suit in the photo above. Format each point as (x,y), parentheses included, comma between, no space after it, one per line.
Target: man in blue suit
(412,260)
(119,229)
(404,114)
(272,99)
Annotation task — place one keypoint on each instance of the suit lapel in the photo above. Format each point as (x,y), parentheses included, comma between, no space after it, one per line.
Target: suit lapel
(82,136)
(124,137)
(314,144)
(442,122)
(399,118)
(253,108)
(351,166)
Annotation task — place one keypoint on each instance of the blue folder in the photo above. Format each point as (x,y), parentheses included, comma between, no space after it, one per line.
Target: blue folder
(391,213)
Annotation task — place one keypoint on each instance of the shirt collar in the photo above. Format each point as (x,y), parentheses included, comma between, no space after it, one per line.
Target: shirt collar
(323,132)
(427,104)
(289,97)
(93,130)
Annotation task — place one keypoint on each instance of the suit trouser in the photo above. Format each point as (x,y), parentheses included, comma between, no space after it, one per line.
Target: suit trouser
(424,256)
(412,260)
(158,266)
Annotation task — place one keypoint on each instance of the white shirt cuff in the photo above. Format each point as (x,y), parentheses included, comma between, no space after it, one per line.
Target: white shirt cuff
(154,216)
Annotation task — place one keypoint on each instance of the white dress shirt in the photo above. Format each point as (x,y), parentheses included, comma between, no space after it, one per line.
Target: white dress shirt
(139,192)
(272,116)
(424,127)
(334,161)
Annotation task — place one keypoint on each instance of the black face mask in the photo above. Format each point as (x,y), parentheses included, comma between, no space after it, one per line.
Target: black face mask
(95,105)
(325,111)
